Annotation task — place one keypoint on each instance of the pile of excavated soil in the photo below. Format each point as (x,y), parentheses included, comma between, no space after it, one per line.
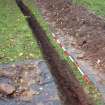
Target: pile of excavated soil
(86,28)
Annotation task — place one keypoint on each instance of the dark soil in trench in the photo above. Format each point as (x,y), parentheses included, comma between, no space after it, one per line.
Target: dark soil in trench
(70,89)
(85,27)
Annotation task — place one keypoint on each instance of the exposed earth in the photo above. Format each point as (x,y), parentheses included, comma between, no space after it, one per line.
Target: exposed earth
(85,27)
(80,29)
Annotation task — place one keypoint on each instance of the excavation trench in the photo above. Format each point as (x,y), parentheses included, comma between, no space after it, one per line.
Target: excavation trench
(70,89)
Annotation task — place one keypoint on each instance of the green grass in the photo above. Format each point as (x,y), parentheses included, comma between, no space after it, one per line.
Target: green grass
(89,88)
(98,6)
(16,41)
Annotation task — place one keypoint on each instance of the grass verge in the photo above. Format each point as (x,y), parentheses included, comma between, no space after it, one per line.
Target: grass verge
(89,88)
(16,41)
(98,6)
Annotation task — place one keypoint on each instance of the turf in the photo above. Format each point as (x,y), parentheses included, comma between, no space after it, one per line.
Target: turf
(16,41)
(97,6)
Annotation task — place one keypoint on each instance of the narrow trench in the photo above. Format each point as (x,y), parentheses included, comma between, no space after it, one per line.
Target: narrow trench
(71,91)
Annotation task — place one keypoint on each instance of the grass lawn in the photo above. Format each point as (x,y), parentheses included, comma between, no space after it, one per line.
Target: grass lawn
(16,41)
(98,6)
(89,88)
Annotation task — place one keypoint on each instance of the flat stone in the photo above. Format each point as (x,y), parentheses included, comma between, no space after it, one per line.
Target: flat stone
(6,88)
